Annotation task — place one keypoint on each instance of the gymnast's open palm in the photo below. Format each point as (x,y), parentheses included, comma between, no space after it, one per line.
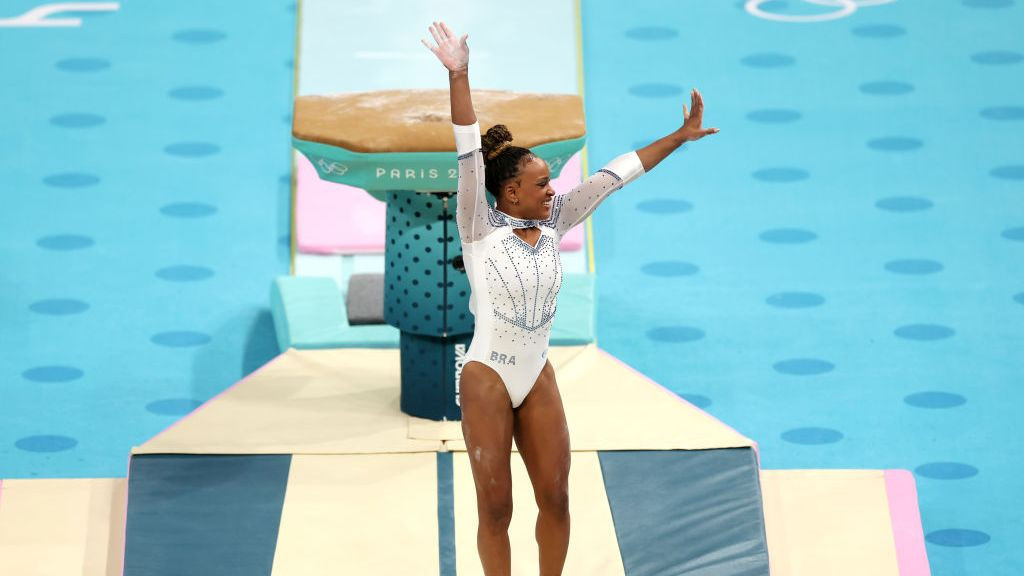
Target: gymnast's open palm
(692,129)
(453,52)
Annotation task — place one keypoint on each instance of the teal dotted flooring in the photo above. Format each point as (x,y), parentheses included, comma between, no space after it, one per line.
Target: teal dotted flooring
(838,274)
(145,177)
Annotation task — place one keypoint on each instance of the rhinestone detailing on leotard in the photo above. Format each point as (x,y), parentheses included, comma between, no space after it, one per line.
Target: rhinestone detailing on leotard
(514,286)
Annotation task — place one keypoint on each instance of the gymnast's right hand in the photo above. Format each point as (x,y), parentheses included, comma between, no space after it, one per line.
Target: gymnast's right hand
(451,51)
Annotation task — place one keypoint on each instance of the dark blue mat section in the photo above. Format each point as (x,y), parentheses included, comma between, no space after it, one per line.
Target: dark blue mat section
(446,513)
(692,512)
(201,514)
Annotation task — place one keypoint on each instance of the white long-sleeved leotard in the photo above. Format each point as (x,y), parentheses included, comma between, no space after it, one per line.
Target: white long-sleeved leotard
(513,285)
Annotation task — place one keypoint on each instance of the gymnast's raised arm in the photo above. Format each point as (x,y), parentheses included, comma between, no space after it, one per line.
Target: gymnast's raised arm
(453,52)
(471,216)
(573,207)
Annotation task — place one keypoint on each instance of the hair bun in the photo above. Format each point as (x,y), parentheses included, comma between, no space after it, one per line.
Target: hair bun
(495,140)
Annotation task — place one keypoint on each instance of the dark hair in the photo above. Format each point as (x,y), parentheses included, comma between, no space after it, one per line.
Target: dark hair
(501,159)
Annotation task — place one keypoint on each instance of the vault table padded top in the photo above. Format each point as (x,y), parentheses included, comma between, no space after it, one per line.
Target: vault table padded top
(420,120)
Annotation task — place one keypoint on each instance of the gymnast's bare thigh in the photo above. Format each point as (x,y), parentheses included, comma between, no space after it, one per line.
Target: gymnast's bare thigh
(478,381)
(490,422)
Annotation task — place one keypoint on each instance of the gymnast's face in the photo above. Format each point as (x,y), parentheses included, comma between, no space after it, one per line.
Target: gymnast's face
(534,190)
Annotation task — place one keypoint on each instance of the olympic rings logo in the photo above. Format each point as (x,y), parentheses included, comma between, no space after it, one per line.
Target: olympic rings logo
(843,9)
(332,167)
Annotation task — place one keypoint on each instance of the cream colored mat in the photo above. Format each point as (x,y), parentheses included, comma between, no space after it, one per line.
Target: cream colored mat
(593,547)
(62,526)
(833,522)
(611,406)
(303,402)
(360,514)
(345,401)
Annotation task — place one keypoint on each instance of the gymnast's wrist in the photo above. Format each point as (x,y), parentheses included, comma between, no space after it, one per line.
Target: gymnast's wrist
(460,73)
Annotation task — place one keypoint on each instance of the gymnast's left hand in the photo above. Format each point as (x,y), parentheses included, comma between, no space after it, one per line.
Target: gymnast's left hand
(452,51)
(691,129)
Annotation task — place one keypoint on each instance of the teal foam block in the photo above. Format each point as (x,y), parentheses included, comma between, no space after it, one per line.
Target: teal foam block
(576,319)
(309,313)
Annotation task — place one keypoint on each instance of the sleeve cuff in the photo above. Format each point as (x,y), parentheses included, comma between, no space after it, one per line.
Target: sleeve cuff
(467,138)
(627,167)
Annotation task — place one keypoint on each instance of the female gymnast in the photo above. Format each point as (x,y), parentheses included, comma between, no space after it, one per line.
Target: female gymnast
(508,388)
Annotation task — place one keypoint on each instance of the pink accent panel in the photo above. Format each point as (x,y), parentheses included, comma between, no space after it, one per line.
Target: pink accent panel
(333,218)
(906,523)
(683,400)
(569,178)
(337,219)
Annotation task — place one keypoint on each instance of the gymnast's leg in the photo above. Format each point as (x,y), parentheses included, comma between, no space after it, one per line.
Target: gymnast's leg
(487,428)
(543,441)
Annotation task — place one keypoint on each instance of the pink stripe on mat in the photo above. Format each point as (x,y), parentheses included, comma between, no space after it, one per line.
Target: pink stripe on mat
(906,523)
(337,219)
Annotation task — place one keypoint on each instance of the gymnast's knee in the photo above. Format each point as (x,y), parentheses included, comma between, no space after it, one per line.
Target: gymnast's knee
(495,511)
(554,500)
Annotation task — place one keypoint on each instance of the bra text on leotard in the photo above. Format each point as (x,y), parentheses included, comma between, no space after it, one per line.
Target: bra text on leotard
(508,360)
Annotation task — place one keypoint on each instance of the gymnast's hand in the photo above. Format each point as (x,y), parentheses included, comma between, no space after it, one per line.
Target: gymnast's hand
(451,51)
(691,129)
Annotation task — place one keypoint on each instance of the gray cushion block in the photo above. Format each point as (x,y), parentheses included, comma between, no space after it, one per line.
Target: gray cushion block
(364,299)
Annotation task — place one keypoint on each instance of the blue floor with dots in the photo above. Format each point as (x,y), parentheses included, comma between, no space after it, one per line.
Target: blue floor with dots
(145,171)
(838,274)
